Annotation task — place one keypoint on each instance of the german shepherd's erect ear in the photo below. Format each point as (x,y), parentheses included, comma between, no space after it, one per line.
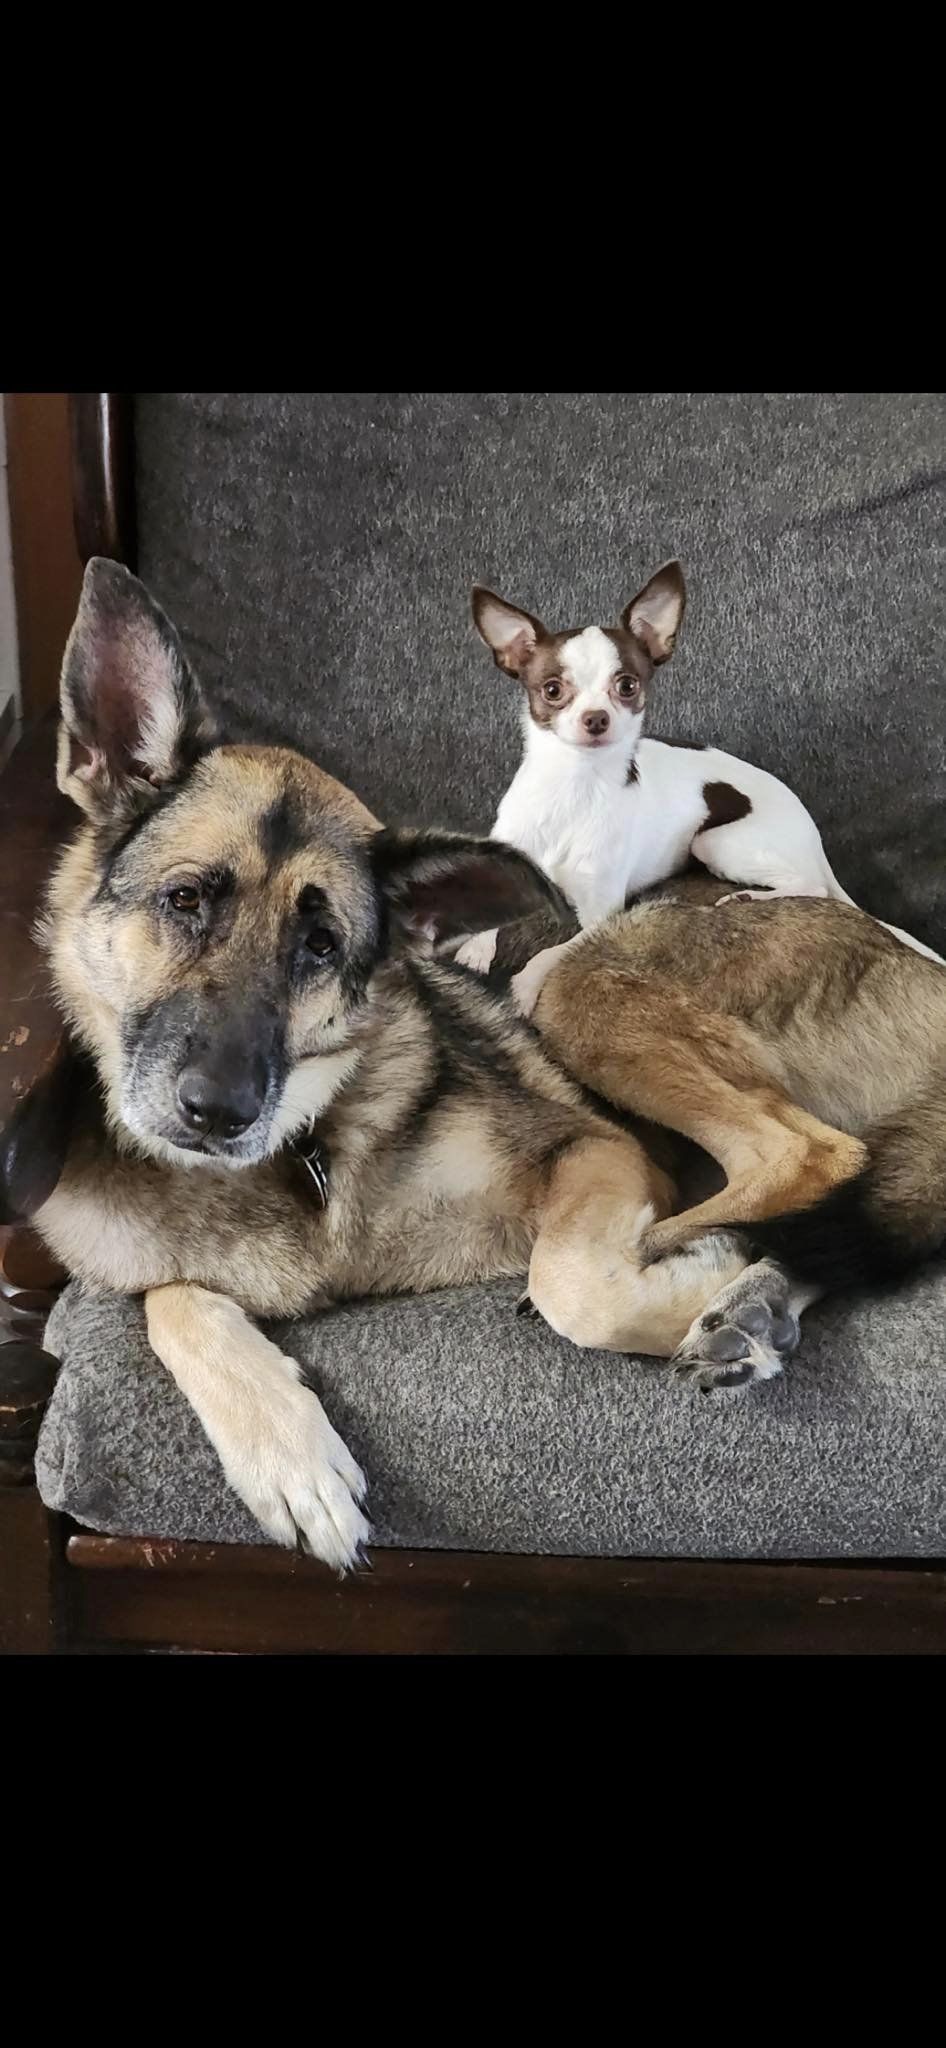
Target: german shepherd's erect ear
(441,884)
(133,720)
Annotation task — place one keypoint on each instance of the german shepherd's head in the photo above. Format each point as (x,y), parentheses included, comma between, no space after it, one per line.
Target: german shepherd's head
(218,929)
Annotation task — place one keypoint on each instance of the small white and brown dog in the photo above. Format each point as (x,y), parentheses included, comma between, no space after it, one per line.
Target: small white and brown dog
(608,813)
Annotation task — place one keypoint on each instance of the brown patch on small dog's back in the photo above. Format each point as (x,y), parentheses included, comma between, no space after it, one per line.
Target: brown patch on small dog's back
(724,805)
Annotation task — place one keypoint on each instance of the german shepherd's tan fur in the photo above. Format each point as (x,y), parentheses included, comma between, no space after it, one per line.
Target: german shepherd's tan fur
(244,952)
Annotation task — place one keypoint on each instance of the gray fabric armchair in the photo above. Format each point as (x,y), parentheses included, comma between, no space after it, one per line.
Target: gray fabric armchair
(317,551)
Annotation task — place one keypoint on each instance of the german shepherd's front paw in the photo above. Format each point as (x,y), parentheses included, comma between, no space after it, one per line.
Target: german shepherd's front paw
(301,1482)
(746,1335)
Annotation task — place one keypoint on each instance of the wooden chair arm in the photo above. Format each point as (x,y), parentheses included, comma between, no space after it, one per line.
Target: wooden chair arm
(34,1067)
(30,1548)
(27,1372)
(37,1088)
(36,1093)
(32,1148)
(37,1067)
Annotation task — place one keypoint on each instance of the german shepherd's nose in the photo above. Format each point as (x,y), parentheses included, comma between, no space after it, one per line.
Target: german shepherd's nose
(219,1106)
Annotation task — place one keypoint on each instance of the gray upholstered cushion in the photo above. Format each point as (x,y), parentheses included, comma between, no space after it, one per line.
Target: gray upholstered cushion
(319,549)
(479,1431)
(318,552)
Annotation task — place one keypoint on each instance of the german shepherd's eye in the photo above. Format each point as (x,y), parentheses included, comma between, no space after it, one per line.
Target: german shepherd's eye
(186,900)
(317,939)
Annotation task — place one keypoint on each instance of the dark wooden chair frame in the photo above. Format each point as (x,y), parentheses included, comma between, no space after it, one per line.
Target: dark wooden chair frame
(65,1590)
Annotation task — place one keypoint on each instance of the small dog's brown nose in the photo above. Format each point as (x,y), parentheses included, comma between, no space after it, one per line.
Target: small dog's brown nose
(595,722)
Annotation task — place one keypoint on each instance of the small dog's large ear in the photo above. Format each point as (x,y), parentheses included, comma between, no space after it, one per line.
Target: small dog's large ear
(511,634)
(441,885)
(132,715)
(654,615)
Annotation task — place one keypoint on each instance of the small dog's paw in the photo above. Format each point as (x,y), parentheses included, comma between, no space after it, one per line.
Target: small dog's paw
(301,1482)
(769,895)
(526,986)
(478,953)
(730,1347)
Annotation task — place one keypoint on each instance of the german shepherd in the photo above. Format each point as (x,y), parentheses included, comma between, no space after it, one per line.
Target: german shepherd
(248,959)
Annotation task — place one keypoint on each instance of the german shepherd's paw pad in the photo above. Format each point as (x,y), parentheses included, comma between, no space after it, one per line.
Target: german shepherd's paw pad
(301,1482)
(730,1347)
(478,953)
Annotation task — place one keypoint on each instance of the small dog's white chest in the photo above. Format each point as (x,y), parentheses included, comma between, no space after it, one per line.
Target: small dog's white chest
(591,852)
(583,835)
(621,844)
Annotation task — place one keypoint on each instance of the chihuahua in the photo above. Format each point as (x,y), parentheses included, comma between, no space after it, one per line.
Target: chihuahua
(608,813)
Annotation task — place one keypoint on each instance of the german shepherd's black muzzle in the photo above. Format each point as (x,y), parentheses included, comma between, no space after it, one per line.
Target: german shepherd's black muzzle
(206,1072)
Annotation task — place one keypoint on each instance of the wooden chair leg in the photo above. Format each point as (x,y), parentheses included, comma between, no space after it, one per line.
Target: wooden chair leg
(31,1568)
(31,1545)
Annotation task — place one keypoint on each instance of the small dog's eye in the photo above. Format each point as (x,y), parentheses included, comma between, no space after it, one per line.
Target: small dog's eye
(627,686)
(552,691)
(320,942)
(186,900)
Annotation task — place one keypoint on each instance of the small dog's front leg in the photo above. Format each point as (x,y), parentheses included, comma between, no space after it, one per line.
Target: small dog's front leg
(526,986)
(769,895)
(271,1433)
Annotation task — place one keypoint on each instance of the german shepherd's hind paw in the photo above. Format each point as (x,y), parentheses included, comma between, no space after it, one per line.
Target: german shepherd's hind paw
(743,1337)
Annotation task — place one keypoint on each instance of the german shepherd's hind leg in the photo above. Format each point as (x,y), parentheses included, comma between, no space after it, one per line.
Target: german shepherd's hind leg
(587,1278)
(270,1432)
(747,1333)
(786,1161)
(661,1055)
